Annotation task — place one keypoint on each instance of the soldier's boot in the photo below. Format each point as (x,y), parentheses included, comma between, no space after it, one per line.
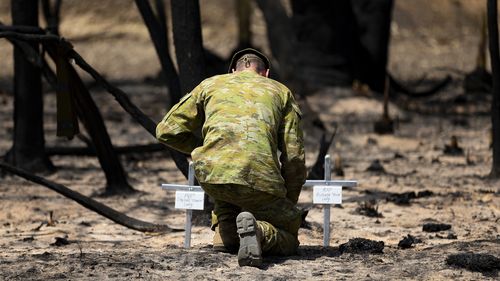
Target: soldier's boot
(250,252)
(225,238)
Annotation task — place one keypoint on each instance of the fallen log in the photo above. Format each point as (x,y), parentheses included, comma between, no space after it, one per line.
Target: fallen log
(89,151)
(91,204)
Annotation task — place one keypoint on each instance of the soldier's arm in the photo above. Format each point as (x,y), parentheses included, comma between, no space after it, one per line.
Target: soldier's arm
(179,127)
(291,145)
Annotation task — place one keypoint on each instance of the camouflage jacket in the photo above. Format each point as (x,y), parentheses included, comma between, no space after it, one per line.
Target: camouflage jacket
(234,125)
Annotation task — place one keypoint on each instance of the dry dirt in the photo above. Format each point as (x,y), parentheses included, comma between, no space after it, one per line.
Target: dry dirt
(413,159)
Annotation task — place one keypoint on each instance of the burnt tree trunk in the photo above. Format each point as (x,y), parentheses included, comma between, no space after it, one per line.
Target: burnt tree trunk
(342,40)
(495,67)
(157,27)
(186,24)
(282,41)
(51,13)
(373,21)
(244,11)
(188,43)
(327,30)
(28,148)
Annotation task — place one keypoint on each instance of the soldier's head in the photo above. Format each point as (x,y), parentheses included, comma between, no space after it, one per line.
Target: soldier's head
(250,59)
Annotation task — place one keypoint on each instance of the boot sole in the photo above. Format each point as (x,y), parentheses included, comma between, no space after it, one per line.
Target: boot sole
(250,252)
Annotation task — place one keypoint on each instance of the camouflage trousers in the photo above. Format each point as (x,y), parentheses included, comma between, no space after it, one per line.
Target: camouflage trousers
(278,218)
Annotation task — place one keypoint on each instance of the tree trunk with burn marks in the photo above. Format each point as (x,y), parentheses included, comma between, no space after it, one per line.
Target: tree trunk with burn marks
(28,148)
(495,66)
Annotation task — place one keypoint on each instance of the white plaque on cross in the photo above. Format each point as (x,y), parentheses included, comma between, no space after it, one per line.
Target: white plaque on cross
(327,194)
(191,200)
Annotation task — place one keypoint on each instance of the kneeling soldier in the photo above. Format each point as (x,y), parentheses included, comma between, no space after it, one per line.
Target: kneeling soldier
(249,157)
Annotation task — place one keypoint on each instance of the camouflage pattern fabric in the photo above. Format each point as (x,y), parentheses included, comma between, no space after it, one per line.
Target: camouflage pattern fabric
(278,218)
(233,126)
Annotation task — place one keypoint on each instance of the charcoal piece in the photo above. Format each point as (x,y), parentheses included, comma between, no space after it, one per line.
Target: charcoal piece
(45,256)
(398,155)
(453,148)
(305,224)
(362,246)
(385,125)
(450,150)
(84,223)
(407,242)
(474,262)
(28,239)
(369,209)
(376,166)
(425,193)
(435,227)
(478,81)
(402,198)
(60,241)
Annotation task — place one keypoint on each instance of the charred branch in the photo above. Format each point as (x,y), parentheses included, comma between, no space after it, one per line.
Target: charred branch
(89,203)
(318,169)
(398,88)
(90,151)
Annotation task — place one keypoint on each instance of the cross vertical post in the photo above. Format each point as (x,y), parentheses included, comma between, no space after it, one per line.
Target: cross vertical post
(326,207)
(189,213)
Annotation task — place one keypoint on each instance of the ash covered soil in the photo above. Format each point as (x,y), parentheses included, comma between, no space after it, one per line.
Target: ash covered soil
(448,189)
(452,191)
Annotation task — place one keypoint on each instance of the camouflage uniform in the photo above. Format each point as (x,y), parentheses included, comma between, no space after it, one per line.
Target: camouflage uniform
(244,119)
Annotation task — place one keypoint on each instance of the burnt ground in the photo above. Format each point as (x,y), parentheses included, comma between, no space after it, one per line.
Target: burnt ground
(448,189)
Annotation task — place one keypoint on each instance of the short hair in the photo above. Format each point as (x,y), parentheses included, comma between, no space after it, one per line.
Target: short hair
(250,61)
